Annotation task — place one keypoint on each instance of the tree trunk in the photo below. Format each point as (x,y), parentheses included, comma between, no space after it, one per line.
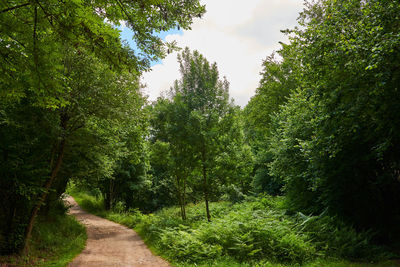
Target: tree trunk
(107,204)
(109,196)
(180,198)
(205,186)
(47,186)
(42,199)
(184,198)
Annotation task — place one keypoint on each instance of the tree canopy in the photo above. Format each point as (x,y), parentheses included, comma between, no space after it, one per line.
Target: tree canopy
(67,81)
(322,130)
(334,144)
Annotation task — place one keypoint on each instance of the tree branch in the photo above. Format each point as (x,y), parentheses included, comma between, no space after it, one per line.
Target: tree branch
(48,16)
(15,7)
(34,36)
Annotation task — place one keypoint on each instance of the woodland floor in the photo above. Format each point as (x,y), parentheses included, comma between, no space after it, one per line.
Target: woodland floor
(111,244)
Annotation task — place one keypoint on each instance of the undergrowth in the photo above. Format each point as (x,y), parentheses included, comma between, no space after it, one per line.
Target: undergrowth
(56,239)
(256,232)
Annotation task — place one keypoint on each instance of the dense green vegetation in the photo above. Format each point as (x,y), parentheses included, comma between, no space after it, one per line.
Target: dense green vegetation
(70,100)
(335,143)
(56,239)
(256,232)
(193,172)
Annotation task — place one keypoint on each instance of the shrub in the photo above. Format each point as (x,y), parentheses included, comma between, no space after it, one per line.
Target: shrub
(245,231)
(336,238)
(184,245)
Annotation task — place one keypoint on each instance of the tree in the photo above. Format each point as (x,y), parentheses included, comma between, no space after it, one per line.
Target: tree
(36,40)
(170,137)
(98,98)
(279,79)
(206,102)
(35,34)
(103,102)
(336,141)
(232,170)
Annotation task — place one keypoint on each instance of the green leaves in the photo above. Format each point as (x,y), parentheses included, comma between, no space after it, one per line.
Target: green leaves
(198,133)
(330,140)
(34,36)
(246,232)
(67,81)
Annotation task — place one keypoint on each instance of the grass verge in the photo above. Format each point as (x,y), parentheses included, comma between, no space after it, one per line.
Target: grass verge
(56,240)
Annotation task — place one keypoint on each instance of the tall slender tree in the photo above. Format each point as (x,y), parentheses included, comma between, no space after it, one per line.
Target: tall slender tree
(169,125)
(206,101)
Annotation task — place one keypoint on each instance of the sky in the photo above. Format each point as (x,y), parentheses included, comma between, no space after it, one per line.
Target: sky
(238,35)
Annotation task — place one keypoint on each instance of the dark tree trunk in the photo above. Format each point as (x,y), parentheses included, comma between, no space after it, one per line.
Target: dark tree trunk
(107,204)
(205,185)
(43,197)
(184,198)
(180,198)
(48,184)
(58,188)
(109,196)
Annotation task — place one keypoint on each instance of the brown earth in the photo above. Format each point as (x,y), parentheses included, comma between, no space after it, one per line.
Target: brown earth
(111,244)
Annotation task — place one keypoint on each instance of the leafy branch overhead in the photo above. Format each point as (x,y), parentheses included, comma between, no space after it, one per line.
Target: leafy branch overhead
(321,135)
(70,98)
(34,34)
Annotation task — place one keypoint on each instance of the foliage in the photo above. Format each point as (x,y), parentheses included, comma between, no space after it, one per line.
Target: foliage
(209,124)
(56,240)
(196,136)
(257,232)
(89,135)
(70,104)
(321,129)
(172,156)
(335,237)
(34,34)
(85,95)
(335,142)
(264,181)
(276,84)
(278,81)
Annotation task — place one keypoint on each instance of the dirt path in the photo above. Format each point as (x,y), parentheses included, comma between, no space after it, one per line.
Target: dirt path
(111,244)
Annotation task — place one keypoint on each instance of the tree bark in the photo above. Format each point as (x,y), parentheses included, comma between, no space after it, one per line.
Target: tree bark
(184,197)
(109,196)
(180,198)
(205,186)
(47,186)
(178,189)
(42,199)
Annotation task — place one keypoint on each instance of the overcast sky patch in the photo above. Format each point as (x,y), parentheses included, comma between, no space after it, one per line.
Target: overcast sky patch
(237,35)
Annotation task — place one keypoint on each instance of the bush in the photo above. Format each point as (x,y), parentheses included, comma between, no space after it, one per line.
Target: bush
(90,203)
(251,233)
(334,237)
(130,218)
(233,194)
(243,231)
(183,245)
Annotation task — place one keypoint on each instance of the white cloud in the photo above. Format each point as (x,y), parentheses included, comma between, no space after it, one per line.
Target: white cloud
(237,35)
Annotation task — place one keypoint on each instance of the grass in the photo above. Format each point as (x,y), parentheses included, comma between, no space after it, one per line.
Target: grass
(257,232)
(316,263)
(56,240)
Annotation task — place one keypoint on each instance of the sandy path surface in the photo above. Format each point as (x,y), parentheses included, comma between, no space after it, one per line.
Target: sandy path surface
(111,244)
